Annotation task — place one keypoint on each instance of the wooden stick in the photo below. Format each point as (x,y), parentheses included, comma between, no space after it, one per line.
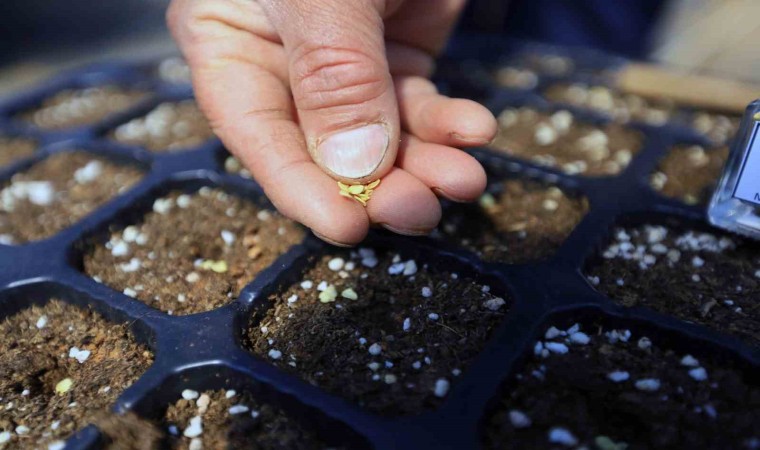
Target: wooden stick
(698,91)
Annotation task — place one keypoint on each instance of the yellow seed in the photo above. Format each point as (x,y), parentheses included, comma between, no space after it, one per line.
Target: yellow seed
(363,196)
(487,201)
(363,202)
(356,189)
(349,294)
(373,185)
(346,194)
(207,264)
(756,116)
(328,295)
(64,386)
(219,266)
(343,187)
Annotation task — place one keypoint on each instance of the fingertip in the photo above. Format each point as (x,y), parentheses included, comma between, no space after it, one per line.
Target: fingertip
(473,123)
(403,204)
(466,184)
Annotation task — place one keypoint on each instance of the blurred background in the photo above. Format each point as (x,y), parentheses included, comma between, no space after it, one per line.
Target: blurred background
(718,37)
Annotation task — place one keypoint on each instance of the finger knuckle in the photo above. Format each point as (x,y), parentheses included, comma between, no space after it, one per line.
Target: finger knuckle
(325,77)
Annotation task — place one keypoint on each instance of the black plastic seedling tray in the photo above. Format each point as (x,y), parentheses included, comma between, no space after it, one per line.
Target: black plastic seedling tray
(204,351)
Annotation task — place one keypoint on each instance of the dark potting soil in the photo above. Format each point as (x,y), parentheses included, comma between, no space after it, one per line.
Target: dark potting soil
(617,105)
(689,173)
(61,366)
(81,107)
(525,221)
(560,140)
(57,192)
(231,420)
(170,126)
(13,149)
(386,332)
(709,279)
(612,389)
(193,252)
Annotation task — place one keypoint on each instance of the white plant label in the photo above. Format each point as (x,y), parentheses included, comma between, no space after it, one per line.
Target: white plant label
(748,183)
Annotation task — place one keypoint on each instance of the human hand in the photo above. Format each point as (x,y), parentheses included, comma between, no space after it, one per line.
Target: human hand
(304,92)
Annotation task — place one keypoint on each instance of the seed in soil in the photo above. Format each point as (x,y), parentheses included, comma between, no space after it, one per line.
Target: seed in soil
(170,126)
(689,173)
(81,107)
(57,192)
(562,141)
(524,221)
(192,252)
(392,350)
(14,149)
(48,395)
(696,276)
(609,393)
(620,107)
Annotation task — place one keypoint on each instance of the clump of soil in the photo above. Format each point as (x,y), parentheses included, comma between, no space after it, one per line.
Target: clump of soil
(689,173)
(227,419)
(515,77)
(388,333)
(193,252)
(719,128)
(61,366)
(609,389)
(59,191)
(81,107)
(560,140)
(234,166)
(173,70)
(13,149)
(617,105)
(170,126)
(695,276)
(525,221)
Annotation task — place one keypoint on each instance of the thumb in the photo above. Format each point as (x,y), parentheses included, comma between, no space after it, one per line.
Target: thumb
(341,84)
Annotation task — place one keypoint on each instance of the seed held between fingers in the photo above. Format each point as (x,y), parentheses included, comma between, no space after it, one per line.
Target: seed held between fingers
(359,192)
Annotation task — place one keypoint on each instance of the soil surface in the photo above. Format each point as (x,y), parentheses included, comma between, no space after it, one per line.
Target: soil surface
(192,252)
(514,77)
(617,105)
(709,279)
(525,221)
(607,389)
(560,140)
(689,173)
(383,331)
(57,192)
(234,420)
(170,126)
(81,107)
(719,128)
(14,149)
(61,366)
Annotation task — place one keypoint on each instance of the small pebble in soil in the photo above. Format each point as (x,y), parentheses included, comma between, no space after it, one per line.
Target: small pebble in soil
(81,107)
(179,254)
(561,141)
(703,270)
(47,197)
(513,224)
(57,374)
(170,126)
(575,399)
(393,347)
